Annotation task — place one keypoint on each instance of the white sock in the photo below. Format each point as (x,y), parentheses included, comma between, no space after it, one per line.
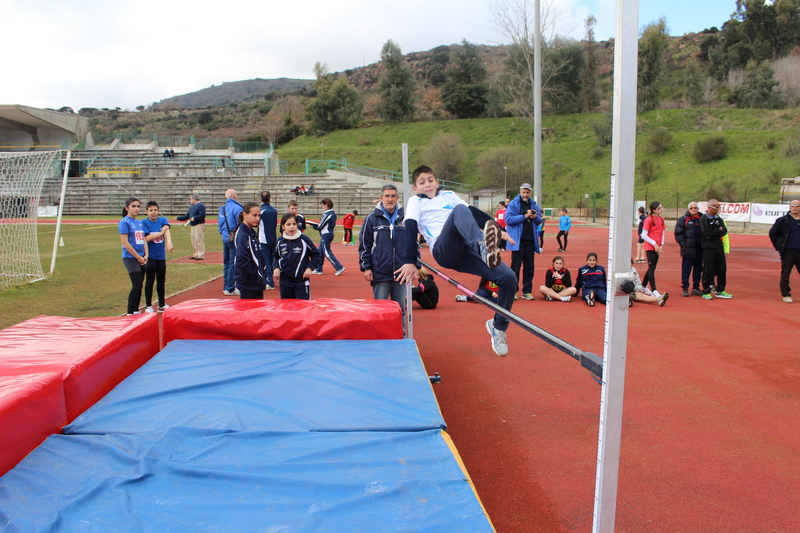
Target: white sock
(657,294)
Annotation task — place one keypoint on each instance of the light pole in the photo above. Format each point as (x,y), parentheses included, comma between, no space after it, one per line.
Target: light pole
(505,181)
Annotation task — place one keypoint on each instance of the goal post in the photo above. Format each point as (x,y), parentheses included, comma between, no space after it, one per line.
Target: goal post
(22,175)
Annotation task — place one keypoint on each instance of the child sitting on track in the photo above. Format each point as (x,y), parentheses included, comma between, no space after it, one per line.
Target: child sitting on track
(486,289)
(643,294)
(293,259)
(558,282)
(592,281)
(453,232)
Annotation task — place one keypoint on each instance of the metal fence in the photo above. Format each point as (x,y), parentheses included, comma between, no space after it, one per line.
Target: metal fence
(319,166)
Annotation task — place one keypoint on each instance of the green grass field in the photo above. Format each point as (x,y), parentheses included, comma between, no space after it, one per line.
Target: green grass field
(89,278)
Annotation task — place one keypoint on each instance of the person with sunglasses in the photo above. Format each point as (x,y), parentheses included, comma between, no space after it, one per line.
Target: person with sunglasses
(687,235)
(785,237)
(716,247)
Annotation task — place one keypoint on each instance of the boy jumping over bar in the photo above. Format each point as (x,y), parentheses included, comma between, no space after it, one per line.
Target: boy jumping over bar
(452,230)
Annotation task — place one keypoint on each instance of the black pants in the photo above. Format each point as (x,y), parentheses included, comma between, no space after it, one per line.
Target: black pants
(715,267)
(524,257)
(136,273)
(790,259)
(155,272)
(348,235)
(245,294)
(565,234)
(693,266)
(652,263)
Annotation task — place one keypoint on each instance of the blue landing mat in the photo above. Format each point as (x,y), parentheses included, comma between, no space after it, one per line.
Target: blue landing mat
(202,480)
(271,386)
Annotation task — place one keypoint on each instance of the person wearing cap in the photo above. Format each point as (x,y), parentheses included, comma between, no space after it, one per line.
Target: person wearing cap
(522,220)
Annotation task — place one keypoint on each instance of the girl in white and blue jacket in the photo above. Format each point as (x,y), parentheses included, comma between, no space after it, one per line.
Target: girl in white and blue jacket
(293,259)
(593,281)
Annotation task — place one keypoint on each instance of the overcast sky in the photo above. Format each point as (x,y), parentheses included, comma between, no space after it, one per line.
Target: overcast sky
(124,54)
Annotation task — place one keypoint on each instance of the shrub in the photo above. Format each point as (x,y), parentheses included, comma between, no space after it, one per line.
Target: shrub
(597,153)
(603,131)
(724,191)
(710,149)
(647,170)
(771,144)
(792,148)
(660,141)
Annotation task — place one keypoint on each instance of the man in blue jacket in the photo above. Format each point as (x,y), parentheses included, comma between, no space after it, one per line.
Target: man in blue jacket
(266,234)
(381,250)
(522,221)
(197,221)
(687,235)
(227,221)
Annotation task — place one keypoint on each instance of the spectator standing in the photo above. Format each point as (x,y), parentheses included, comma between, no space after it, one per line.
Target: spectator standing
(134,250)
(249,268)
(714,240)
(500,214)
(159,242)
(785,237)
(653,233)
(227,221)
(197,222)
(522,221)
(640,257)
(348,221)
(382,247)
(266,234)
(687,235)
(564,225)
(326,227)
(299,219)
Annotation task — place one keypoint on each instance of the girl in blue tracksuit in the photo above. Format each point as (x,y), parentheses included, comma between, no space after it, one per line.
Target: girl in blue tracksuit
(325,227)
(592,279)
(159,242)
(293,260)
(249,268)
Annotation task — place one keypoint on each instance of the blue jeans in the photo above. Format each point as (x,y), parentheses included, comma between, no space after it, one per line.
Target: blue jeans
(228,255)
(325,248)
(458,248)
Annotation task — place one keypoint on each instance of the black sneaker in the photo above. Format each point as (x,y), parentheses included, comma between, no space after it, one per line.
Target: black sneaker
(685,293)
(697,292)
(663,299)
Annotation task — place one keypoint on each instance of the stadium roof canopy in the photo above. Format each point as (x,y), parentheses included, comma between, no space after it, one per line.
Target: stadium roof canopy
(24,128)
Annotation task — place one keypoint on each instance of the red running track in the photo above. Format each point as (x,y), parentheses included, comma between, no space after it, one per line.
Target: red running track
(711,440)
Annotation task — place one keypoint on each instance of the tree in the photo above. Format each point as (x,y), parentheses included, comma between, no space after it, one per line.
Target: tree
(337,105)
(446,155)
(653,45)
(514,20)
(693,92)
(591,96)
(464,94)
(563,70)
(395,86)
(436,68)
(756,89)
(505,166)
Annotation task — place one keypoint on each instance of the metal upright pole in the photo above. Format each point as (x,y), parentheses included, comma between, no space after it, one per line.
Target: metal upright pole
(406,196)
(537,104)
(60,211)
(619,249)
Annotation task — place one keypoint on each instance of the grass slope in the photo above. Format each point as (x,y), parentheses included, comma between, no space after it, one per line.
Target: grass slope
(573,164)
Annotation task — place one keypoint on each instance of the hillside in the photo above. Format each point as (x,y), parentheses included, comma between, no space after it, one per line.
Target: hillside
(574,164)
(231,92)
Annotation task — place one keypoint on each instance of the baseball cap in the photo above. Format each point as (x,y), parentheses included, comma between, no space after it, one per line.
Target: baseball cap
(526,186)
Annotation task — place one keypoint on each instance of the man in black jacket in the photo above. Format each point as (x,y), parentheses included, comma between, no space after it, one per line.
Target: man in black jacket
(687,235)
(714,240)
(785,237)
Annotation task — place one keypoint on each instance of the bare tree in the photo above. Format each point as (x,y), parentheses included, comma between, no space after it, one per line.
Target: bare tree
(514,20)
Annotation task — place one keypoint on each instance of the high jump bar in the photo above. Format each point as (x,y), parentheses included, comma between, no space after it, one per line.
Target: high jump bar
(589,361)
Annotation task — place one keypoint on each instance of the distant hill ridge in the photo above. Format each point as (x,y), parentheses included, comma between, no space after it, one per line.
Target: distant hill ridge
(231,92)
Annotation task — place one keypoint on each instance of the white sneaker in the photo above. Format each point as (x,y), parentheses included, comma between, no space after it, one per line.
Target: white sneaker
(316,272)
(149,309)
(566,298)
(162,307)
(339,272)
(270,287)
(787,299)
(227,293)
(548,298)
(499,344)
(236,292)
(461,298)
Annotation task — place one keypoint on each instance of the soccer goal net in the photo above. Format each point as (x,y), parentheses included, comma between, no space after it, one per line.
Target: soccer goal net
(21,178)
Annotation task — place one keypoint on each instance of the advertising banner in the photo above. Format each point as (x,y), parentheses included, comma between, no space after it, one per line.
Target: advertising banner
(731,211)
(767,213)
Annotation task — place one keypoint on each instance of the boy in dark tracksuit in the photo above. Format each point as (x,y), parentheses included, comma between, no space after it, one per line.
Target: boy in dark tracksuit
(714,240)
(294,258)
